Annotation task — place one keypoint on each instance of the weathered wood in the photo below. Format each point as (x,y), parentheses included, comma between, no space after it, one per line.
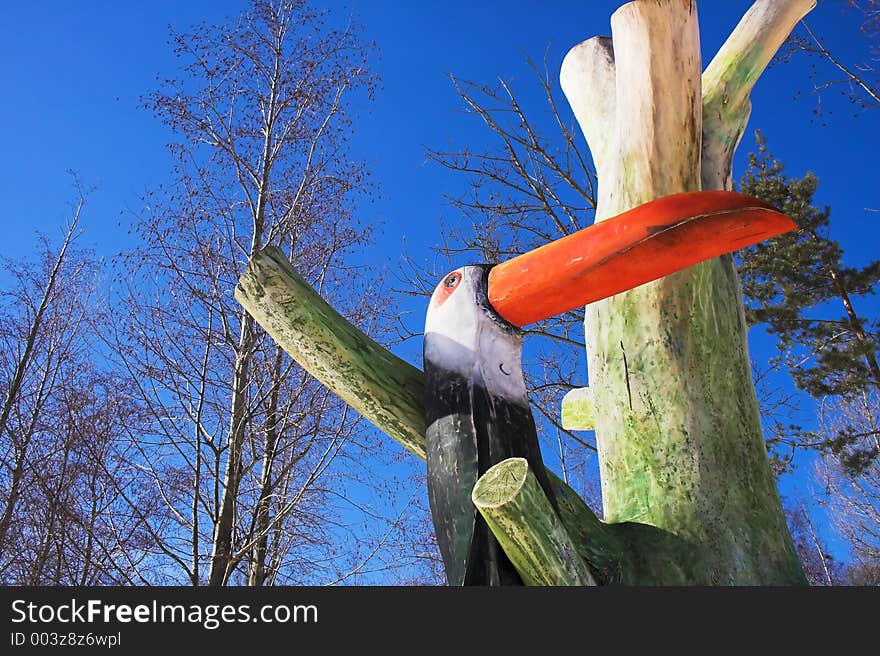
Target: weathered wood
(578,411)
(656,137)
(730,76)
(382,387)
(603,546)
(678,429)
(587,78)
(521,518)
(321,339)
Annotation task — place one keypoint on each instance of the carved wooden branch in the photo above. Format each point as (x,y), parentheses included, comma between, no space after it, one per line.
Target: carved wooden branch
(522,519)
(382,387)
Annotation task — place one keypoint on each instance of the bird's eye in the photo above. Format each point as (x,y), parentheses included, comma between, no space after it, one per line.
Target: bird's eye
(445,289)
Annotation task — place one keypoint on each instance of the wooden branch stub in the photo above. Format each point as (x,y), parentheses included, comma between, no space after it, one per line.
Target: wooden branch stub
(587,80)
(578,411)
(382,387)
(656,143)
(521,518)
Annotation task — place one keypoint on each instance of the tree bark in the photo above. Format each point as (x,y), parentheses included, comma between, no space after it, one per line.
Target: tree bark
(257,571)
(221,556)
(678,428)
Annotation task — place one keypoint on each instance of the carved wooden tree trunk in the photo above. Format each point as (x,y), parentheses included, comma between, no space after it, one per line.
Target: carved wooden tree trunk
(688,493)
(678,429)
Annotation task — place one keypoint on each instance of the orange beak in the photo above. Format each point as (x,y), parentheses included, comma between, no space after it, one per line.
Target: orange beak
(643,244)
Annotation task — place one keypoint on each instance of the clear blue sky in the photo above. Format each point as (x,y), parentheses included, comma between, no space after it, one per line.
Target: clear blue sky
(72,73)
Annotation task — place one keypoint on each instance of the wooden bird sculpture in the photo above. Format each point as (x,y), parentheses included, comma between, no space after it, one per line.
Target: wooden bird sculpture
(477,409)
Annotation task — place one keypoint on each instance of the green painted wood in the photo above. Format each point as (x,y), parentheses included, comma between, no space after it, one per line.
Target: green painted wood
(678,426)
(380,386)
(598,543)
(521,518)
(578,410)
(385,389)
(729,78)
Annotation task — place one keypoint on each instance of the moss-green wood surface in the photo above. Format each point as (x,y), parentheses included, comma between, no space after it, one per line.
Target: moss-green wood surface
(578,410)
(382,387)
(677,423)
(520,516)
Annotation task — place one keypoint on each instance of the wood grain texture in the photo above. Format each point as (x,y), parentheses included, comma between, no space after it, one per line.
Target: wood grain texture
(578,410)
(587,79)
(681,452)
(382,387)
(730,76)
(520,516)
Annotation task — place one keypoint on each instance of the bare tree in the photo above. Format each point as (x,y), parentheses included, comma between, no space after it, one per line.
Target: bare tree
(64,519)
(858,81)
(853,500)
(21,353)
(246,451)
(820,567)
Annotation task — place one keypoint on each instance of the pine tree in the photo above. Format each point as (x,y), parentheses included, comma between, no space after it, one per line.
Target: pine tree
(798,287)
